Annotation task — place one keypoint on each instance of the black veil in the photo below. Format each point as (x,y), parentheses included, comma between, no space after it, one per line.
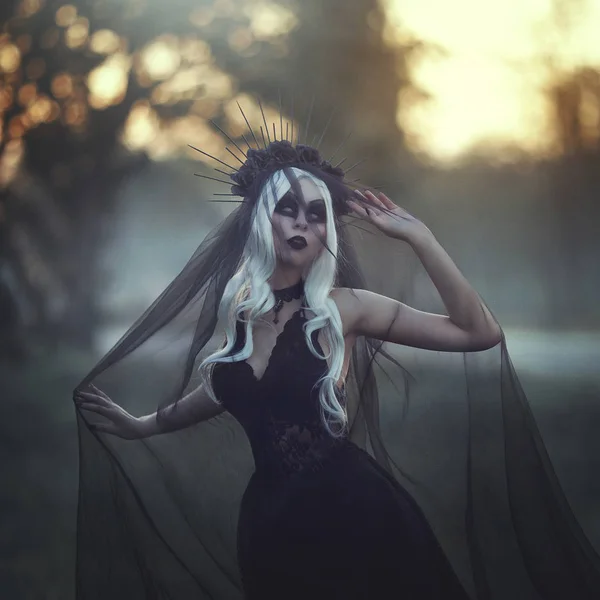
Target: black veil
(157,517)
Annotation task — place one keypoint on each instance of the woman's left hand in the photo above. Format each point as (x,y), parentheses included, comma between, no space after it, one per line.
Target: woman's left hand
(389,218)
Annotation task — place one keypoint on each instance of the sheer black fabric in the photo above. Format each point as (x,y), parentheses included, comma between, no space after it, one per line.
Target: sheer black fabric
(158,517)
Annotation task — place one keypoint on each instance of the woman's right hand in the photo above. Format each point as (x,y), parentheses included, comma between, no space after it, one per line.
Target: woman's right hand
(120,422)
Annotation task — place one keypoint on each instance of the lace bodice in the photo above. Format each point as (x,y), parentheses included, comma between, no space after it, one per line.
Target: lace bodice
(280,412)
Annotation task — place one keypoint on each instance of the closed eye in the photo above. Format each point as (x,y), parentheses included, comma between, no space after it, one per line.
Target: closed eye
(290,208)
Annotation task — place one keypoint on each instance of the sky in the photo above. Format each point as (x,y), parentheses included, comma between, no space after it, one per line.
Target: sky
(487,80)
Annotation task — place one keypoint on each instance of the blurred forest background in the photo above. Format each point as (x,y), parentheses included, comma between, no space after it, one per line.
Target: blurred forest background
(99,100)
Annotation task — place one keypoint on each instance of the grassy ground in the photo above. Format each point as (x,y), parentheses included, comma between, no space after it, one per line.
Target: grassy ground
(39,461)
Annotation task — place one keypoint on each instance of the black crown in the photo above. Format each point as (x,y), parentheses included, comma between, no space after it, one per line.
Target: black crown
(277,155)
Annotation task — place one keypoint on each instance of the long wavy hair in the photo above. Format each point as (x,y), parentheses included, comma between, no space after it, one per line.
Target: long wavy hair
(248,292)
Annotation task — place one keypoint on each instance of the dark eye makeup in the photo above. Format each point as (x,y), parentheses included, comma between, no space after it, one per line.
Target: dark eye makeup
(289,207)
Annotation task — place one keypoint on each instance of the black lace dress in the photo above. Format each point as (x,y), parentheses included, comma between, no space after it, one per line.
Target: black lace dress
(320,518)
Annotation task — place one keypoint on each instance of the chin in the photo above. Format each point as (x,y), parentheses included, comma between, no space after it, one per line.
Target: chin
(297,259)
(297,262)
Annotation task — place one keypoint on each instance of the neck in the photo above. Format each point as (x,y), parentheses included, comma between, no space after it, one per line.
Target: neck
(282,279)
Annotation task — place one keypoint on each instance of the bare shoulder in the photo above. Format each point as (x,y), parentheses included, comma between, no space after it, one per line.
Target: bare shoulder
(348,303)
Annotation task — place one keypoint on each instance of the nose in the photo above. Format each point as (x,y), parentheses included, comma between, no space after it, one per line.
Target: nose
(301,222)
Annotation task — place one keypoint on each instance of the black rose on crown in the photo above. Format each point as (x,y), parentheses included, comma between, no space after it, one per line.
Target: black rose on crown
(257,159)
(277,155)
(283,152)
(243,179)
(308,154)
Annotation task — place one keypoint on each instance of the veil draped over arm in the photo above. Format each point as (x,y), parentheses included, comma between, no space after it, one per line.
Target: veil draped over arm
(157,517)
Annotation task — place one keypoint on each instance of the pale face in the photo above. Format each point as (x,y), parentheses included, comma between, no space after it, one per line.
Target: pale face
(304,217)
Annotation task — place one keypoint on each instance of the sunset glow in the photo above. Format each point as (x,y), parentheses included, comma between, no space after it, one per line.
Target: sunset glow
(487,82)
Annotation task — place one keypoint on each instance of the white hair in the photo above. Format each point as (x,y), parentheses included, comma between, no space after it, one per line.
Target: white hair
(248,291)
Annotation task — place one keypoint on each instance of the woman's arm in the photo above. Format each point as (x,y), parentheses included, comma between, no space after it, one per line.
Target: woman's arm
(372,315)
(193,408)
(469,325)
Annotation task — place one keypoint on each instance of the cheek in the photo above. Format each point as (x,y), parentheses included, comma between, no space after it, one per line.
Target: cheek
(276,243)
(277,232)
(279,239)
(321,234)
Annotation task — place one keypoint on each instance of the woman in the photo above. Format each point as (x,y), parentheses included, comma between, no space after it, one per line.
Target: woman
(320,517)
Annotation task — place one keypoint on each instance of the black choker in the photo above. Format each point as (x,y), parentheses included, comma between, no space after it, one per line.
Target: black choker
(286,295)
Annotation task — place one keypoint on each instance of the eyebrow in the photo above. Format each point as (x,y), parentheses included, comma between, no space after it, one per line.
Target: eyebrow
(293,197)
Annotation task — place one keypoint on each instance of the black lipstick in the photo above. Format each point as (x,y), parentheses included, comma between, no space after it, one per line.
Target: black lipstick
(297,242)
